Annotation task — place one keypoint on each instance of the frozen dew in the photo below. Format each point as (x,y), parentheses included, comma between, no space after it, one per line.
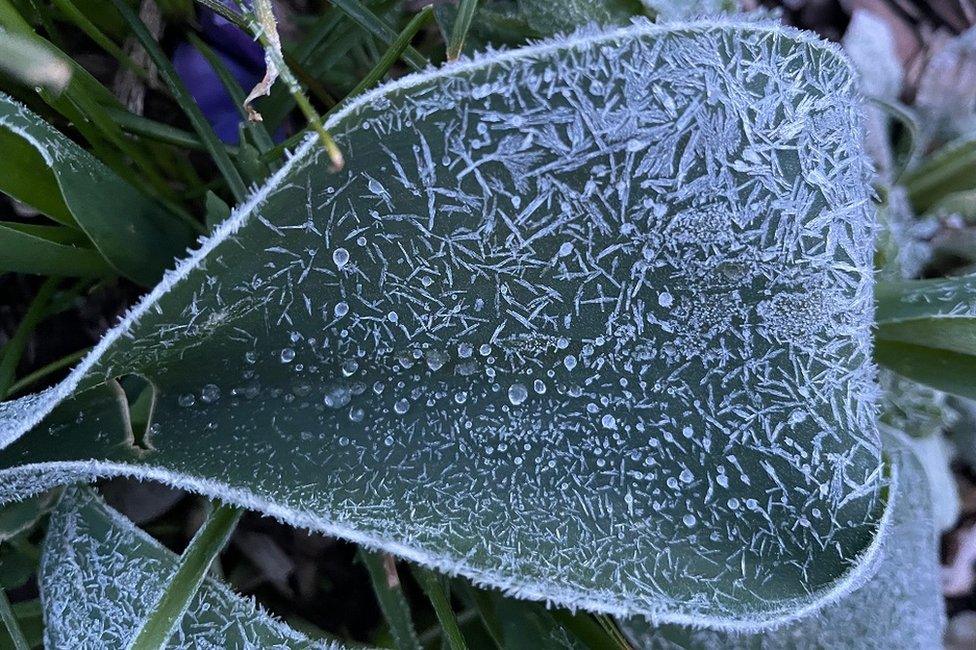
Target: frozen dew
(393,317)
(341,309)
(287,355)
(665,299)
(357,413)
(565,249)
(569,362)
(401,406)
(210,394)
(465,350)
(187,400)
(349,367)
(689,520)
(337,397)
(517,394)
(686,476)
(539,386)
(608,421)
(340,257)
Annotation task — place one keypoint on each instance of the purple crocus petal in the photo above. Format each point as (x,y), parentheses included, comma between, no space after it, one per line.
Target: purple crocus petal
(227,37)
(208,91)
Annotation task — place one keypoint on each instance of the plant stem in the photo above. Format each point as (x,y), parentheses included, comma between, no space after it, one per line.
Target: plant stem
(462,23)
(10,621)
(183,586)
(430,582)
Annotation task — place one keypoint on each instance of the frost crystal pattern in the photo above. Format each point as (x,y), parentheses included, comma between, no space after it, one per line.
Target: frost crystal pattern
(588,321)
(100,575)
(901,606)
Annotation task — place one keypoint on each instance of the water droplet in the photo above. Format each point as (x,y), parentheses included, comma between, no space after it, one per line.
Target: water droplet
(287,355)
(484,350)
(722,480)
(337,397)
(393,317)
(689,520)
(210,393)
(517,394)
(378,388)
(687,432)
(733,503)
(562,343)
(569,362)
(356,414)
(460,397)
(665,299)
(251,356)
(401,406)
(187,400)
(350,367)
(539,386)
(388,441)
(341,257)
(609,422)
(341,309)
(465,350)
(686,476)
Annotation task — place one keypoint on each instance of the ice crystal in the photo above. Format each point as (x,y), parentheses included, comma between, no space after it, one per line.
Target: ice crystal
(100,575)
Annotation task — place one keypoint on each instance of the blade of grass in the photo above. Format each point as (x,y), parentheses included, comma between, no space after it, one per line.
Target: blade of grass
(82,22)
(14,348)
(10,622)
(397,47)
(41,373)
(183,586)
(157,131)
(182,96)
(378,28)
(462,23)
(430,582)
(392,602)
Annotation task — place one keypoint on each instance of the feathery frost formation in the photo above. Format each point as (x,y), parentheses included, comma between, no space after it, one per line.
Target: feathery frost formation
(100,575)
(587,321)
(901,606)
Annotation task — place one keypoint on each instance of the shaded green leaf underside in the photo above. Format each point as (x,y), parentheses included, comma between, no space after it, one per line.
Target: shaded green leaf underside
(569,323)
(46,170)
(100,576)
(926,331)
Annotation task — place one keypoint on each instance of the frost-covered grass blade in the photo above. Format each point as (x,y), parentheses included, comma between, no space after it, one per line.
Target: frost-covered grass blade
(100,576)
(587,321)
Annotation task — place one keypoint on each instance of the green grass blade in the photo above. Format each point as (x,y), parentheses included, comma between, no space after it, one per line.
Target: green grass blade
(14,348)
(393,53)
(462,23)
(10,623)
(392,602)
(157,131)
(166,71)
(378,28)
(186,581)
(44,371)
(433,586)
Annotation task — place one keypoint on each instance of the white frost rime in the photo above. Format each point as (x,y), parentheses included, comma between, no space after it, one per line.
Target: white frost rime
(587,321)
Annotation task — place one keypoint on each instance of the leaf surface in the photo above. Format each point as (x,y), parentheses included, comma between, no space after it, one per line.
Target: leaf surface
(900,606)
(569,323)
(100,575)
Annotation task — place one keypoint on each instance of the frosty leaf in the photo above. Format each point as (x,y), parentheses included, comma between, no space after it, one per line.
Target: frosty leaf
(900,606)
(927,332)
(587,321)
(46,170)
(100,575)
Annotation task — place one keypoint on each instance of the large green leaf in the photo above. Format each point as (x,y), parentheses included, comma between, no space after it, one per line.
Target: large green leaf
(900,606)
(588,321)
(100,575)
(927,331)
(46,170)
